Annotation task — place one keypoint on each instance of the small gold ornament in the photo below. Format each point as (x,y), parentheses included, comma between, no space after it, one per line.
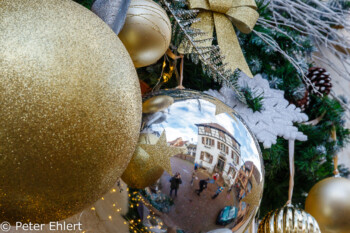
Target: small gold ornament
(146,33)
(70,109)
(288,219)
(329,202)
(150,160)
(157,103)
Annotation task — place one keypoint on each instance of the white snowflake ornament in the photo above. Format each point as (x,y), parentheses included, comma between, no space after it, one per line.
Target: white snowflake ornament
(276,117)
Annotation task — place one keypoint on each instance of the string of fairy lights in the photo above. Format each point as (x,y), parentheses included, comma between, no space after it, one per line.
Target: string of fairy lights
(132,218)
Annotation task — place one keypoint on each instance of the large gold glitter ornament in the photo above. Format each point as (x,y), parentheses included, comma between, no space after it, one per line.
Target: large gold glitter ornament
(329,202)
(146,33)
(70,109)
(288,219)
(150,160)
(204,137)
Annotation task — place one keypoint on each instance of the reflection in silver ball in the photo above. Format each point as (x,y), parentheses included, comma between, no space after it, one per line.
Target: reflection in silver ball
(217,183)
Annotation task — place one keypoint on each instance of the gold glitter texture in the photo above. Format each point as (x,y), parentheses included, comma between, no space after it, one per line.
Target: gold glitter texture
(222,14)
(220,107)
(162,152)
(146,33)
(70,109)
(150,160)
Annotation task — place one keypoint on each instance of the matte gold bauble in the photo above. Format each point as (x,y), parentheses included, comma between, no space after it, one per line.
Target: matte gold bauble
(288,219)
(146,33)
(70,109)
(329,202)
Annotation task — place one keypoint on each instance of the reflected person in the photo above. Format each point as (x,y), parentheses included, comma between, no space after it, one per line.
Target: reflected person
(175,182)
(193,177)
(218,191)
(202,185)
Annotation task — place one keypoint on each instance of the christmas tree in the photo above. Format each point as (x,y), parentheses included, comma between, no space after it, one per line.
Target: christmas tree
(282,54)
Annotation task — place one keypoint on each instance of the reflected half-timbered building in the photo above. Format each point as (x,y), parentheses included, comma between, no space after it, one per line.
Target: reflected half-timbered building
(217,150)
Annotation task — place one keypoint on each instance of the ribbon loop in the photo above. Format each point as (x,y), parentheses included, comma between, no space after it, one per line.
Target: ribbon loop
(220,6)
(247,3)
(199,4)
(244,18)
(222,14)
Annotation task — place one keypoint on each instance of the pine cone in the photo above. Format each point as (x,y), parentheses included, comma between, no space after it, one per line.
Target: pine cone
(304,102)
(320,78)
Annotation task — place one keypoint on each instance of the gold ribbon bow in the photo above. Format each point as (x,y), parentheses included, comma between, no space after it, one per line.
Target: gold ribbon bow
(222,14)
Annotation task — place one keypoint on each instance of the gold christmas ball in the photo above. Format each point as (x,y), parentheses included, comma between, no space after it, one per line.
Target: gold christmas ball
(329,202)
(156,104)
(146,33)
(70,109)
(181,149)
(288,219)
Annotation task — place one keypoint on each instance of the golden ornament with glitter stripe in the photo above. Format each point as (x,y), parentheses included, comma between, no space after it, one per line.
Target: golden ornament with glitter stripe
(146,33)
(221,14)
